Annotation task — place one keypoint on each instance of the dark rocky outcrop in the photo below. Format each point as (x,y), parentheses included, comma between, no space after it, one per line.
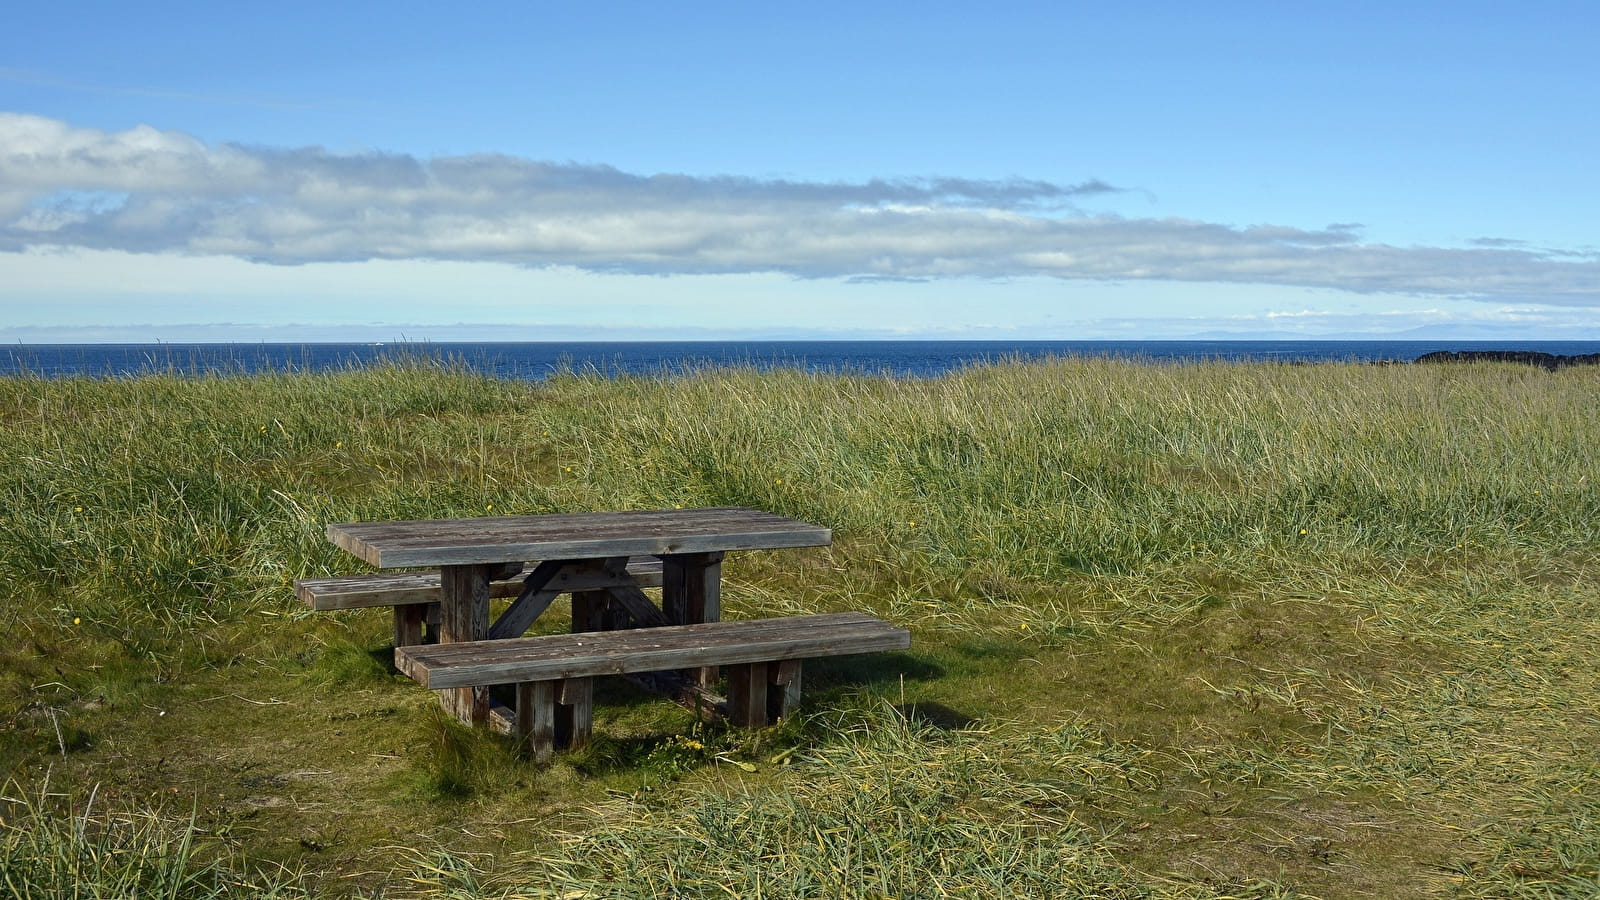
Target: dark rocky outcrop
(1547,361)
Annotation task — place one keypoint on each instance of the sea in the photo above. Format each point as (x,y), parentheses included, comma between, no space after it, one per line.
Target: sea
(536,361)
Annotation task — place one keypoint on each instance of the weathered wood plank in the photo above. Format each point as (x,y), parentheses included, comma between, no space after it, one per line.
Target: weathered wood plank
(588,608)
(502,718)
(648,649)
(691,591)
(629,640)
(464,617)
(637,605)
(617,571)
(492,539)
(400,588)
(410,623)
(534,599)
(552,714)
(784,693)
(706,704)
(691,587)
(536,719)
(747,694)
(575,712)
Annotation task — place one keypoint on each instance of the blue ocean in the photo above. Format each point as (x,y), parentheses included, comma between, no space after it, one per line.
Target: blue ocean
(534,361)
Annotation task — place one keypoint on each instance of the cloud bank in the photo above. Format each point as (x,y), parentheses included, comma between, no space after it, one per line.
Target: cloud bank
(151,191)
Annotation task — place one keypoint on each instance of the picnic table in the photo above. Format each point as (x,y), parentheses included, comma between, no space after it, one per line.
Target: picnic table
(585,554)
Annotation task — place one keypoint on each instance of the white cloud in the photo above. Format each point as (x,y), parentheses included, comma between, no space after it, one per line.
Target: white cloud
(1420,323)
(150,191)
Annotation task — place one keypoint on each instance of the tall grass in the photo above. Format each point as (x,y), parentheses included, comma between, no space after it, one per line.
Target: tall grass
(50,850)
(209,493)
(892,809)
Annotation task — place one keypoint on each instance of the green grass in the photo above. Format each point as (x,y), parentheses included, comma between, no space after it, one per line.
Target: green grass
(51,848)
(1204,630)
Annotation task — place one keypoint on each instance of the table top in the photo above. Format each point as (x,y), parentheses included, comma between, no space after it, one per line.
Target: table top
(502,539)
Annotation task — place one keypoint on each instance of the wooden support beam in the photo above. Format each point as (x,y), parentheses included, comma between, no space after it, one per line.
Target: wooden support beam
(575,712)
(691,587)
(588,611)
(703,702)
(463,611)
(783,692)
(536,719)
(534,599)
(638,606)
(411,621)
(502,718)
(691,592)
(747,694)
(554,714)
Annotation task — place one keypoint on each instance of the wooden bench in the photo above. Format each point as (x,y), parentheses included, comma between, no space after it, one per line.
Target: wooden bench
(415,595)
(554,673)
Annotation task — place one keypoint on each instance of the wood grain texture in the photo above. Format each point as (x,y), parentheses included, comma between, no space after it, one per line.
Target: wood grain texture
(533,600)
(747,694)
(536,719)
(691,591)
(691,587)
(453,665)
(588,608)
(464,618)
(784,691)
(639,608)
(575,712)
(410,623)
(502,718)
(496,539)
(401,588)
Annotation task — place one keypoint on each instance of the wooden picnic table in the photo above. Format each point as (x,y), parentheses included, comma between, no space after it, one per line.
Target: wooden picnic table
(585,554)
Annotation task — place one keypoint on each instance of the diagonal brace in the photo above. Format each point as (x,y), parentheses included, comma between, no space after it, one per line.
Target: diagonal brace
(535,598)
(637,605)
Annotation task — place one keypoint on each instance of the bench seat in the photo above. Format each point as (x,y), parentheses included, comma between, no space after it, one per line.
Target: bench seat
(407,588)
(415,595)
(554,673)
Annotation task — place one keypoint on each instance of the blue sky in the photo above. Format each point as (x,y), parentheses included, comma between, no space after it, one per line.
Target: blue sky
(1066,171)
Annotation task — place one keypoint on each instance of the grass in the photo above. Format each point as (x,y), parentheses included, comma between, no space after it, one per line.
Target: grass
(1198,630)
(52,848)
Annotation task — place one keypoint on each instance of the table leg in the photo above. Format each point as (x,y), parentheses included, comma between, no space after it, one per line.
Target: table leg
(691,593)
(760,694)
(589,610)
(410,623)
(747,695)
(464,616)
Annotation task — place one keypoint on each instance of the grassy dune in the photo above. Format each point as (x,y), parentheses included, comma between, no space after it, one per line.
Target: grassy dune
(1219,630)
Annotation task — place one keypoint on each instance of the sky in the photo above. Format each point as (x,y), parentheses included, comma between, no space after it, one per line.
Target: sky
(635,171)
